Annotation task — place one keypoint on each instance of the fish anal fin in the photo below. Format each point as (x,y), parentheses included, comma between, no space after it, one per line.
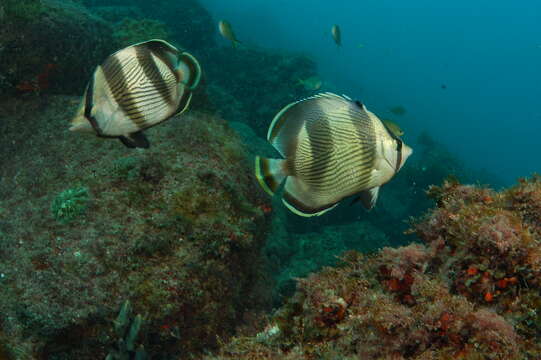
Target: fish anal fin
(301,209)
(135,140)
(298,198)
(369,197)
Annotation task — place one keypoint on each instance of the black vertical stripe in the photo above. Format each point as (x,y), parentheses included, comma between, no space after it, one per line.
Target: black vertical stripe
(366,132)
(89,104)
(152,73)
(117,82)
(320,141)
(164,52)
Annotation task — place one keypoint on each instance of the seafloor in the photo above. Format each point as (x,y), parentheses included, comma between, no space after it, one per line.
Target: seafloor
(175,252)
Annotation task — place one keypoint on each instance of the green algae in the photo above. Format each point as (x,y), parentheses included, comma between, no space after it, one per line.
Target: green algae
(24,11)
(130,31)
(70,204)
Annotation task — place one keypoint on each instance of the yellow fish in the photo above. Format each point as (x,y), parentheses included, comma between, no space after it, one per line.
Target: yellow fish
(227,32)
(393,127)
(336,34)
(312,83)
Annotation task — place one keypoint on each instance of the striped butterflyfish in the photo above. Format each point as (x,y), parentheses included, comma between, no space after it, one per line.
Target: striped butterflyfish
(332,148)
(135,88)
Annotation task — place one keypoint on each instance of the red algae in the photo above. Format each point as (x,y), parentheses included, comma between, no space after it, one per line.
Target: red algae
(470,290)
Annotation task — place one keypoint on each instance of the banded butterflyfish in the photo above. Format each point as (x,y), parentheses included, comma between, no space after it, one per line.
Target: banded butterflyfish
(332,148)
(136,88)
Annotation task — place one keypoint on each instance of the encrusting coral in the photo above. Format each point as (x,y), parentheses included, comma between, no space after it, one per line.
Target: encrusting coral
(176,229)
(470,291)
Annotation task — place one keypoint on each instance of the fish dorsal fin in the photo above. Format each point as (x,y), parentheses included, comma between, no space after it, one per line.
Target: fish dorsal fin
(189,70)
(369,197)
(158,46)
(163,50)
(289,121)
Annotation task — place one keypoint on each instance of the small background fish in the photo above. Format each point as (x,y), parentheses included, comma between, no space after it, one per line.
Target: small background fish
(336,34)
(226,30)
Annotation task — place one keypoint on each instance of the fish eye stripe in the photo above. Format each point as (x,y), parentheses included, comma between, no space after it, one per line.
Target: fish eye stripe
(89,104)
(399,144)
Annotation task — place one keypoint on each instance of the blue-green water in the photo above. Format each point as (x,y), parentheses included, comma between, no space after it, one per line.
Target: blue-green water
(486,53)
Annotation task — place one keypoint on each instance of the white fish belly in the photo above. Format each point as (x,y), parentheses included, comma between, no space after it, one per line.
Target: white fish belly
(111,119)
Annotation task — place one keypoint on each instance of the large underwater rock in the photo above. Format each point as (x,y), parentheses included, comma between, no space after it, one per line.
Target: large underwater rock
(470,291)
(53,45)
(50,45)
(190,24)
(86,224)
(251,85)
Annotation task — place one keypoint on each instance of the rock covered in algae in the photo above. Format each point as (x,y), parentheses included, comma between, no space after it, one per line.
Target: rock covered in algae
(50,45)
(470,290)
(189,23)
(176,229)
(264,82)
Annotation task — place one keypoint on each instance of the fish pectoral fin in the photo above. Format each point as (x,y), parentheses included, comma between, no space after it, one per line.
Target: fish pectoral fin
(368,198)
(135,140)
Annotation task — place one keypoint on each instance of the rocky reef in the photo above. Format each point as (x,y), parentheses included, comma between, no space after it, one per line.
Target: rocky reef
(50,46)
(86,224)
(251,85)
(113,253)
(469,290)
(75,36)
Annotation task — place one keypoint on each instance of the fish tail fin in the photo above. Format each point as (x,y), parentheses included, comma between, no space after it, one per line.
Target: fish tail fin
(236,44)
(79,123)
(270,173)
